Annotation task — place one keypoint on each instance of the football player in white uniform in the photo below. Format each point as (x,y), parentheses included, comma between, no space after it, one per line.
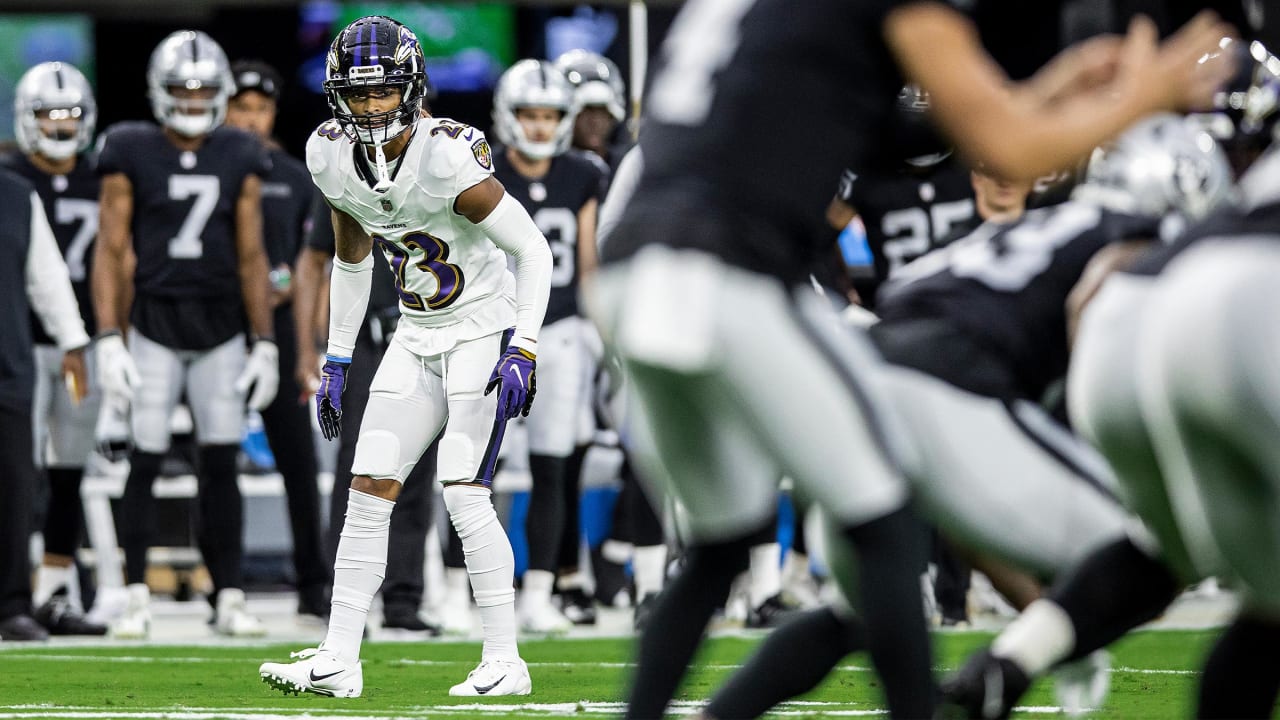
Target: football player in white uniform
(421,189)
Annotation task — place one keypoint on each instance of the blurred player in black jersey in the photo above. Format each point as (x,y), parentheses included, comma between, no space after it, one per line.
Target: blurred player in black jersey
(1001,201)
(741,382)
(534,109)
(186,194)
(55,122)
(35,279)
(41,306)
(909,196)
(973,334)
(1129,393)
(287,198)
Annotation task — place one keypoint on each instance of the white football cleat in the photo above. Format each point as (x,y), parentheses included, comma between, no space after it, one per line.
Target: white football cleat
(316,671)
(544,619)
(495,677)
(135,622)
(1082,686)
(108,605)
(233,618)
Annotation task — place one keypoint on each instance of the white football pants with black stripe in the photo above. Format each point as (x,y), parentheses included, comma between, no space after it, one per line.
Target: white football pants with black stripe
(1210,390)
(1003,478)
(1107,370)
(739,383)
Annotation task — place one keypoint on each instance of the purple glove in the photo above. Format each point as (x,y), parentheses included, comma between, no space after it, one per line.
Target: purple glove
(333,378)
(514,377)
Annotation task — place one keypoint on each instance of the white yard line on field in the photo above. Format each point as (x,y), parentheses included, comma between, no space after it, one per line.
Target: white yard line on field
(145,659)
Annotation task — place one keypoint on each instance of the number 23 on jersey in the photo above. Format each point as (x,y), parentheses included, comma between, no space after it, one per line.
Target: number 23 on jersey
(403,256)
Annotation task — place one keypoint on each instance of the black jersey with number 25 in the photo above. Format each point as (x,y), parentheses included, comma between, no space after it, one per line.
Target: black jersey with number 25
(755,107)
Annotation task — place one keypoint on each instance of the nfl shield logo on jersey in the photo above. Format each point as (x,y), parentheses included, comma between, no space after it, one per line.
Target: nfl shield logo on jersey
(483,154)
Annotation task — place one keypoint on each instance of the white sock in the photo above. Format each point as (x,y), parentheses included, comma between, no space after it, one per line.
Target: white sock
(616,551)
(766,573)
(73,589)
(537,589)
(49,580)
(573,581)
(649,566)
(358,571)
(490,566)
(1037,639)
(457,587)
(795,568)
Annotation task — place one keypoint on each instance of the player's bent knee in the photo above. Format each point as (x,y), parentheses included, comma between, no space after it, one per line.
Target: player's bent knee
(378,456)
(457,458)
(470,508)
(385,488)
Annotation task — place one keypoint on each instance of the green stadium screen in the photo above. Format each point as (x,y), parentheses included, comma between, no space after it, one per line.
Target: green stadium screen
(467,45)
(27,40)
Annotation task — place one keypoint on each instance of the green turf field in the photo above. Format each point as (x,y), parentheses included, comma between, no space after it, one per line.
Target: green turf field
(1153,677)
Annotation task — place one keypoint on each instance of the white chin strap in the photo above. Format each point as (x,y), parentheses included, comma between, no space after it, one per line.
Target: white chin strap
(384,177)
(538,150)
(191,125)
(366,137)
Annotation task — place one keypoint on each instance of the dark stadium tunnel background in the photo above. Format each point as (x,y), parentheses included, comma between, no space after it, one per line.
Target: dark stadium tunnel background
(1027,35)
(123,47)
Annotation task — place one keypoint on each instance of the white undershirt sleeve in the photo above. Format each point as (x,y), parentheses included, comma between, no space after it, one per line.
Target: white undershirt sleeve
(621,188)
(349,288)
(49,286)
(511,229)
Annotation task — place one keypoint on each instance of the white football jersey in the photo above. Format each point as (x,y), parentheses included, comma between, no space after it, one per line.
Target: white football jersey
(453,282)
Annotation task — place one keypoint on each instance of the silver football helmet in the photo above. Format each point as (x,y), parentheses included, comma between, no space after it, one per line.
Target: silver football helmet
(1162,164)
(533,83)
(189,60)
(49,100)
(596,80)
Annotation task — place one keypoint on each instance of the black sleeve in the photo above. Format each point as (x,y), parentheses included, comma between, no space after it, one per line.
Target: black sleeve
(319,228)
(259,158)
(113,153)
(597,184)
(310,194)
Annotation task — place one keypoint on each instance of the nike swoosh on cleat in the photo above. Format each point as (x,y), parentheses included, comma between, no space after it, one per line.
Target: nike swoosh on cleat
(318,678)
(483,690)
